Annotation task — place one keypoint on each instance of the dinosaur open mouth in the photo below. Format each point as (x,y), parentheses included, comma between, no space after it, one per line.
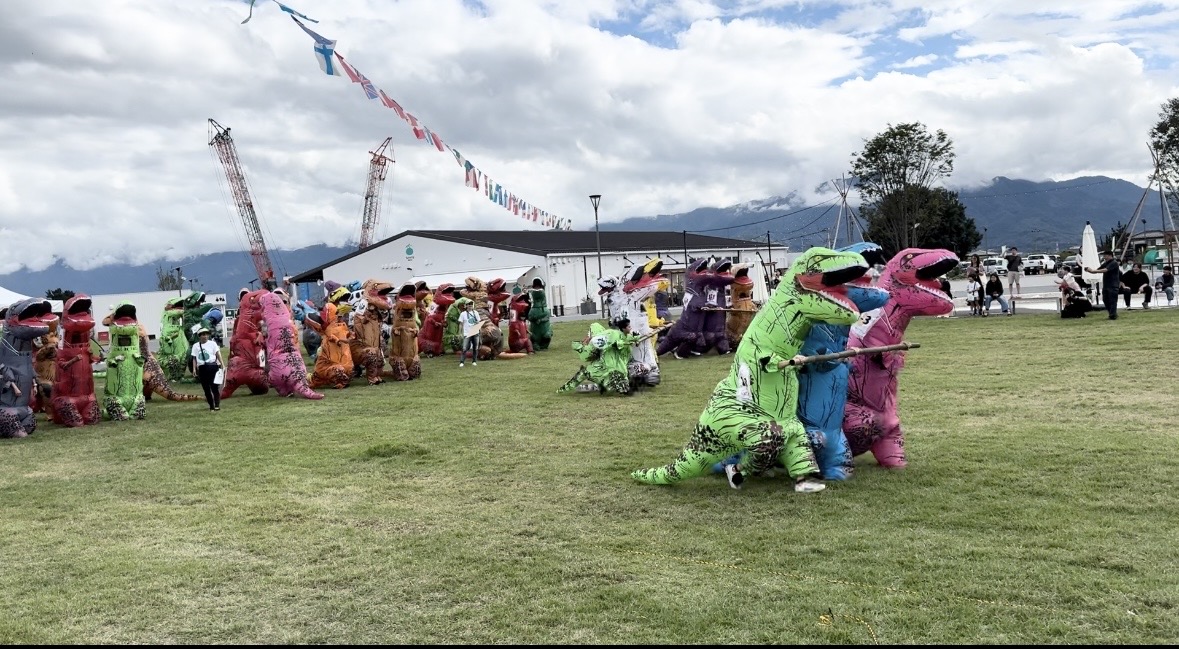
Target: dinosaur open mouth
(830,284)
(407,291)
(741,276)
(644,277)
(125,315)
(606,286)
(80,306)
(37,310)
(937,269)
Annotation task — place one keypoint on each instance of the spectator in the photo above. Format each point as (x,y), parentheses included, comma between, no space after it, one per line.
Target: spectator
(973,293)
(472,327)
(1111,282)
(1136,281)
(1014,270)
(994,291)
(206,363)
(1166,284)
(945,285)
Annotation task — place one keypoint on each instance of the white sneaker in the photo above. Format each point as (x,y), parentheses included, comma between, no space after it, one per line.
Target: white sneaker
(460,364)
(809,486)
(474,363)
(734,476)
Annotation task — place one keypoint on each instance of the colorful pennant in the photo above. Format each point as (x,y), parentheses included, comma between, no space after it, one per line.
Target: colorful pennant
(472,176)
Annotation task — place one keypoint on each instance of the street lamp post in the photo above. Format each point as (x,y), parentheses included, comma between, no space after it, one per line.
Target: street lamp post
(915,226)
(179,282)
(595,199)
(986,252)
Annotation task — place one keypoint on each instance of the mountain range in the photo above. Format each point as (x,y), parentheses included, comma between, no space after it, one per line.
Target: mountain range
(1035,216)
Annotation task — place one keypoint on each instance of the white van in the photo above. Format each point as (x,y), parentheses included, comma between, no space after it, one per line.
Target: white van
(995,265)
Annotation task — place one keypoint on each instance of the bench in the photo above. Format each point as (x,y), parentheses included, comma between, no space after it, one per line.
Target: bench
(960,302)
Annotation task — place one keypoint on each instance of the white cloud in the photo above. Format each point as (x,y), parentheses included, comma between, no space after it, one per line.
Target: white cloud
(104,107)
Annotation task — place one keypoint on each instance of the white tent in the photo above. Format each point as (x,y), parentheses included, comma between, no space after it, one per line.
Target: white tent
(8,298)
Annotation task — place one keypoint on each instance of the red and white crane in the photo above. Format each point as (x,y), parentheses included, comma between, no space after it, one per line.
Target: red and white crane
(378,170)
(223,144)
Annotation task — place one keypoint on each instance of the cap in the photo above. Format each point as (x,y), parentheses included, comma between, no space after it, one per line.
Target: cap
(202,330)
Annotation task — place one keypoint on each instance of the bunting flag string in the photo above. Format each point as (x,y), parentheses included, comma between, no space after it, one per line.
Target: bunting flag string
(333,64)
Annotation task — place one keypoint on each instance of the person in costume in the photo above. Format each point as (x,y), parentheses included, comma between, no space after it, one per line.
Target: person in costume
(430,338)
(661,305)
(540,329)
(310,336)
(366,330)
(425,299)
(285,367)
(754,410)
(123,392)
(453,335)
(822,386)
(605,354)
(74,403)
(206,363)
(518,340)
(155,381)
(636,291)
(24,321)
(742,310)
(333,366)
(687,334)
(195,310)
(496,294)
(247,349)
(45,368)
(713,336)
(404,362)
(870,419)
(173,353)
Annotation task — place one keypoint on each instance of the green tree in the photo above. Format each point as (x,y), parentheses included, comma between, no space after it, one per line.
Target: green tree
(890,166)
(939,218)
(58,294)
(166,280)
(1115,240)
(1164,139)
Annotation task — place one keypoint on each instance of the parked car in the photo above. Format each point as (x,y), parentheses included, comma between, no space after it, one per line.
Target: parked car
(995,265)
(1039,263)
(1071,263)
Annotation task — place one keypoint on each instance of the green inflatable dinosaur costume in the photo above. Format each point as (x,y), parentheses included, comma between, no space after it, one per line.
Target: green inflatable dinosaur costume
(173,353)
(123,392)
(606,354)
(452,336)
(194,311)
(755,408)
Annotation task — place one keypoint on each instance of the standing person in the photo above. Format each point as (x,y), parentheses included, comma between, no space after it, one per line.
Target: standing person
(973,293)
(1136,281)
(1014,270)
(994,291)
(1111,282)
(472,326)
(206,362)
(1167,284)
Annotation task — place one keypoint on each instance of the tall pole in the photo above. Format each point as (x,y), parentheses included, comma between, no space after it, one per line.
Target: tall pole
(595,199)
(179,283)
(769,255)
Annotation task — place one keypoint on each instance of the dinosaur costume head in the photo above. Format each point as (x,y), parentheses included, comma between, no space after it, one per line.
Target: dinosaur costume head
(444,296)
(872,253)
(328,315)
(497,290)
(520,305)
(742,283)
(644,281)
(76,318)
(27,320)
(193,299)
(911,279)
(475,289)
(376,293)
(406,306)
(177,304)
(819,276)
(421,291)
(124,315)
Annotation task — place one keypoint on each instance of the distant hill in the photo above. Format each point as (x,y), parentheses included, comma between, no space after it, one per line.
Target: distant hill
(1035,216)
(222,272)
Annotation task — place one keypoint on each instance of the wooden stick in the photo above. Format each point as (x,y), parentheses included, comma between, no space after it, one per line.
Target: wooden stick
(848,353)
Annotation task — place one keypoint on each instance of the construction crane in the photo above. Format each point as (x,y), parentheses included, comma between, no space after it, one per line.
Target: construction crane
(378,169)
(222,143)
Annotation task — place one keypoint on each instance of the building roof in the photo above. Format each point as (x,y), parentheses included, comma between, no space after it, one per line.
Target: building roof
(548,242)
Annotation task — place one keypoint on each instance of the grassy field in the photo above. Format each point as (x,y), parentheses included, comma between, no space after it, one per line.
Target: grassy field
(477,505)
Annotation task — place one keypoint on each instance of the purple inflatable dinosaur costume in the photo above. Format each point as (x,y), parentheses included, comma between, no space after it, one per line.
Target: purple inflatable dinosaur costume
(870,419)
(286,370)
(720,277)
(686,336)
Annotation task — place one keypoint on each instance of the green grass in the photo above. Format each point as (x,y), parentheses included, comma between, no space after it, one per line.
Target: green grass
(477,505)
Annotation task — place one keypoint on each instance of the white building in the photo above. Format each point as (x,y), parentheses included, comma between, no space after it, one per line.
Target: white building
(149,309)
(567,261)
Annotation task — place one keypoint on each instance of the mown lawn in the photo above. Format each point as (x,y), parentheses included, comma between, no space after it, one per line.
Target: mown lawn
(477,505)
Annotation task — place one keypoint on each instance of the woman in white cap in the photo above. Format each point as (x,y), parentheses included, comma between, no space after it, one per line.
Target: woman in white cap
(206,363)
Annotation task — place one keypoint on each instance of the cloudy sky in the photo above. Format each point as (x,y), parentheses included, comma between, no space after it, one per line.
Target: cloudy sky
(662,106)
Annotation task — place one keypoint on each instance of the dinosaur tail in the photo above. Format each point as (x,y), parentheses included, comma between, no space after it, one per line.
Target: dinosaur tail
(305,391)
(161,387)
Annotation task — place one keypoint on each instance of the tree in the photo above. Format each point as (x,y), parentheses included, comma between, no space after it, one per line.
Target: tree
(58,294)
(939,216)
(166,280)
(903,157)
(1115,239)
(1164,139)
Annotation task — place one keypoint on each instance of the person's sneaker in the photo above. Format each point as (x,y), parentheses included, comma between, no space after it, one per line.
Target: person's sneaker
(809,486)
(1146,306)
(460,364)
(474,363)
(734,476)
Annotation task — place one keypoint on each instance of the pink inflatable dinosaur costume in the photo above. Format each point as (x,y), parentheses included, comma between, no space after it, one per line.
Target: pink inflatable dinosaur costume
(285,366)
(870,418)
